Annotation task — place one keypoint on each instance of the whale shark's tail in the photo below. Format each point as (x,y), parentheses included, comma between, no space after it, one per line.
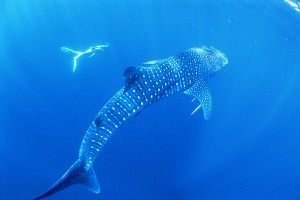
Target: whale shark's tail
(77,174)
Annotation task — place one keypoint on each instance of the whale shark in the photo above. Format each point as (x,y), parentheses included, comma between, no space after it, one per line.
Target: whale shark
(187,71)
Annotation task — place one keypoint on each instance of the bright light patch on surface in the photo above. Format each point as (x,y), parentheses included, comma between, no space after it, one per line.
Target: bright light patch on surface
(295,5)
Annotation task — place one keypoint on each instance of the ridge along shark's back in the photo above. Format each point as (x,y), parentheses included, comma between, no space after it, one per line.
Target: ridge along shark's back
(186,71)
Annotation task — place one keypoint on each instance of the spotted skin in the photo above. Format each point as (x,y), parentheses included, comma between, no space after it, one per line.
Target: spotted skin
(186,71)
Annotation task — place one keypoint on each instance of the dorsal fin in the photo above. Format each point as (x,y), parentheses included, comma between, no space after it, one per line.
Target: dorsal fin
(154,62)
(131,75)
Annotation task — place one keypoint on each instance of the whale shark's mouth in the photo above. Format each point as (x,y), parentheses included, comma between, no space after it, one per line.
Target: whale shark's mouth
(222,56)
(219,58)
(218,54)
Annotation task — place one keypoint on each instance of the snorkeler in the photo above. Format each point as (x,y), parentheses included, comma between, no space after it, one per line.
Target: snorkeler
(89,52)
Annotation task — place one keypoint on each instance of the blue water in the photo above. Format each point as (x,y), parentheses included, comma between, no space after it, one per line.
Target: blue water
(248,149)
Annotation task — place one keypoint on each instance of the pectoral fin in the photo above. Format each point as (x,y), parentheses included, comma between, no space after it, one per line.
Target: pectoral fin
(201,91)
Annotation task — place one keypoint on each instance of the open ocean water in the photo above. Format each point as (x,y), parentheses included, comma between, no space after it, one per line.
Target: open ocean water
(248,149)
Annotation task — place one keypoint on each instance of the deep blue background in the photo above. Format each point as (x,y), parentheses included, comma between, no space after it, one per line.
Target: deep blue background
(248,149)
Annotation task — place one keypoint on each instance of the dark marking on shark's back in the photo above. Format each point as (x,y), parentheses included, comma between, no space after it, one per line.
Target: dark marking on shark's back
(131,75)
(98,122)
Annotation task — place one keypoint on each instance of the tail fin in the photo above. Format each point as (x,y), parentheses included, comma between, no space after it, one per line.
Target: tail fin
(75,175)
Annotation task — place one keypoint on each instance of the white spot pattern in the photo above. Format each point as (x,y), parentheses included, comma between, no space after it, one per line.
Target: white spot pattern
(176,73)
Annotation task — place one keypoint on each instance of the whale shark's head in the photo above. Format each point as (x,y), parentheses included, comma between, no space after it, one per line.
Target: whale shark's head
(215,59)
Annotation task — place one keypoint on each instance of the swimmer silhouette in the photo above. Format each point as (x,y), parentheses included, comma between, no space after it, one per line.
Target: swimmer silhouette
(90,52)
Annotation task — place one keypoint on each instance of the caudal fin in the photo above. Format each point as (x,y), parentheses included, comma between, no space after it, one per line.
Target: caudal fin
(77,174)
